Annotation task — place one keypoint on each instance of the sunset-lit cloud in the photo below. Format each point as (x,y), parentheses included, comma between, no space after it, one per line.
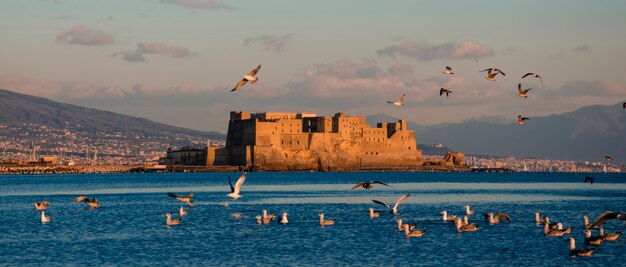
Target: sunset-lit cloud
(423,51)
(154,48)
(83,36)
(276,44)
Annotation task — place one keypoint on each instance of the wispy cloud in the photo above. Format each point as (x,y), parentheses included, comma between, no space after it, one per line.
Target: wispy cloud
(423,51)
(582,48)
(154,48)
(83,36)
(275,44)
(197,4)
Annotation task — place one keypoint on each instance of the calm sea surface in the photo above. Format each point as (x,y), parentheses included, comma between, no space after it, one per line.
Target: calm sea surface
(129,228)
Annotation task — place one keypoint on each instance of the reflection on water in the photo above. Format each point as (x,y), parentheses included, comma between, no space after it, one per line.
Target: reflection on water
(130,229)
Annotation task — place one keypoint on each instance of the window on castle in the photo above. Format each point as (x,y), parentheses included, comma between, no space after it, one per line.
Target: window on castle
(376,153)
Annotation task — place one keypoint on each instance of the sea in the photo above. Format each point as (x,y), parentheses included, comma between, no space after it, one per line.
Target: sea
(129,228)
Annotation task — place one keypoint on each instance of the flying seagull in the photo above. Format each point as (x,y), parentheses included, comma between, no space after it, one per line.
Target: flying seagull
(444,90)
(624,106)
(94,203)
(589,179)
(536,75)
(397,102)
(247,78)
(368,185)
(393,210)
(41,205)
(234,190)
(491,73)
(496,219)
(522,92)
(521,120)
(447,71)
(607,215)
(608,158)
(187,199)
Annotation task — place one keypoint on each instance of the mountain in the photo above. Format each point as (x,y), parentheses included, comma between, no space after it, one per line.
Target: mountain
(372,120)
(16,108)
(588,133)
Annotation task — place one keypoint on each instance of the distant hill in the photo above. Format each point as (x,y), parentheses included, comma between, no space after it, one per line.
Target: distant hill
(16,108)
(588,133)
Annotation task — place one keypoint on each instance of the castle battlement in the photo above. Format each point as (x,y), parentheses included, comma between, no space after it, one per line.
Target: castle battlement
(305,141)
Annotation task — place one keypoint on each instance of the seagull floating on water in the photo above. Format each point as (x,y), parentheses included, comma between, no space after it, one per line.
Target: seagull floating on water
(94,203)
(491,73)
(468,211)
(324,222)
(44,218)
(552,232)
(496,219)
(368,185)
(445,216)
(539,219)
(610,236)
(464,228)
(261,220)
(522,92)
(606,216)
(397,102)
(536,75)
(444,90)
(234,190)
(247,78)
(374,214)
(283,219)
(417,233)
(589,179)
(266,216)
(401,226)
(592,240)
(521,120)
(182,212)
(169,221)
(394,209)
(41,205)
(573,251)
(448,71)
(187,199)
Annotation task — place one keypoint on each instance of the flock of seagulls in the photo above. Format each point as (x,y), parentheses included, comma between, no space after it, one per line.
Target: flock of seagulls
(409,230)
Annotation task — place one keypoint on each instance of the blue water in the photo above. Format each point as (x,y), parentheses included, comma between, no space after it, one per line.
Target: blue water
(129,228)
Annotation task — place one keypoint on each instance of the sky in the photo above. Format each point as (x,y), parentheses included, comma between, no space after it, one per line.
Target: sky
(175,61)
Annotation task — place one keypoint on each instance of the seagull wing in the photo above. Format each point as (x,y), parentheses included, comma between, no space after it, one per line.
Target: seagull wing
(607,215)
(379,182)
(503,74)
(519,88)
(190,195)
(489,69)
(448,68)
(502,216)
(381,203)
(540,80)
(45,203)
(254,71)
(401,98)
(441,91)
(230,183)
(358,185)
(527,74)
(239,85)
(172,195)
(239,183)
(526,91)
(81,199)
(400,200)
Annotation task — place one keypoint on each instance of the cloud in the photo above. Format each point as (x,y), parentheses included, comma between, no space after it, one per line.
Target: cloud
(423,51)
(589,89)
(582,48)
(154,48)
(83,36)
(197,4)
(270,43)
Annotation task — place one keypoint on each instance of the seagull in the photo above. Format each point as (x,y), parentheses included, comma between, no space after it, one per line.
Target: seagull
(397,102)
(234,190)
(169,221)
(283,219)
(393,210)
(559,226)
(44,218)
(604,217)
(491,73)
(368,185)
(467,210)
(248,78)
(374,214)
(586,221)
(401,226)
(324,222)
(446,217)
(41,205)
(496,219)
(610,236)
(444,90)
(552,232)
(592,240)
(464,228)
(624,105)
(589,179)
(268,217)
(551,225)
(539,219)
(187,199)
(536,75)
(447,71)
(522,92)
(182,212)
(608,158)
(573,251)
(417,233)
(94,203)
(521,120)
(260,220)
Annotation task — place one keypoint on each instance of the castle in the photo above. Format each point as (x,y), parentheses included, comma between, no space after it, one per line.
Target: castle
(272,141)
